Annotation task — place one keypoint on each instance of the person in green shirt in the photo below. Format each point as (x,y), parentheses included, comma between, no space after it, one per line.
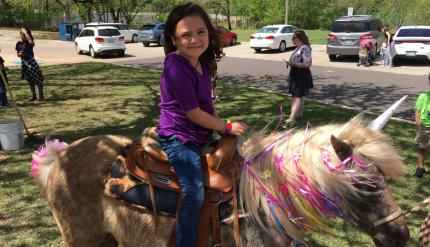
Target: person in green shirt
(422,120)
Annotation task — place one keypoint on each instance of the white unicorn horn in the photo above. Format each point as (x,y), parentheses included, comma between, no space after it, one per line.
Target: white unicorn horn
(382,119)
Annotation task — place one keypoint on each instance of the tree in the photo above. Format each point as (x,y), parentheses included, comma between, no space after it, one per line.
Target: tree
(130,8)
(163,7)
(215,6)
(66,6)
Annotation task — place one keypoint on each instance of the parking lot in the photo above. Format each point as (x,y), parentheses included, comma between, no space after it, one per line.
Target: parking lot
(49,52)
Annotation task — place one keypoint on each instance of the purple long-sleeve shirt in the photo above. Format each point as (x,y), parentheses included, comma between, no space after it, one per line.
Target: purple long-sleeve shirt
(182,89)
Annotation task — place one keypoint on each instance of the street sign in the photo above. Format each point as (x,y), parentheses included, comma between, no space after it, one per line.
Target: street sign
(350,11)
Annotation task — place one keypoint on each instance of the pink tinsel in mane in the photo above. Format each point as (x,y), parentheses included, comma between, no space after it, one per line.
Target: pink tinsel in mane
(41,156)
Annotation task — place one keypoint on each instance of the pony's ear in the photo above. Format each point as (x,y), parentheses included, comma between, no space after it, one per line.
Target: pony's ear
(342,149)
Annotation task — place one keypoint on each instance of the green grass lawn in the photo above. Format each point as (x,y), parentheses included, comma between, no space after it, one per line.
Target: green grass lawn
(98,98)
(316,37)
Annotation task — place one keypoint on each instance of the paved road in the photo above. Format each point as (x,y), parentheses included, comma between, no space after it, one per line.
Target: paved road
(341,83)
(359,89)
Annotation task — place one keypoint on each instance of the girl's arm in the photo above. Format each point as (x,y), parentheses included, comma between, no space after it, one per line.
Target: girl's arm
(28,37)
(208,121)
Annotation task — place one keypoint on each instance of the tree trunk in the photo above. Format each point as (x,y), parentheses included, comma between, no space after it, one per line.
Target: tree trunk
(228,15)
(115,14)
(89,14)
(66,10)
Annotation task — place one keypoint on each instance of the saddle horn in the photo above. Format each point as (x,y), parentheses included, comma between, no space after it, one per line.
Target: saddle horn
(379,123)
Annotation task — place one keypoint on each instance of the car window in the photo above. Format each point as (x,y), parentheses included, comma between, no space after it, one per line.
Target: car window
(90,33)
(109,32)
(83,33)
(293,29)
(123,27)
(284,30)
(416,32)
(268,30)
(162,27)
(147,27)
(350,27)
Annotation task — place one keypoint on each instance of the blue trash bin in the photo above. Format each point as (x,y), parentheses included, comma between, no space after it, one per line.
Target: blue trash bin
(68,31)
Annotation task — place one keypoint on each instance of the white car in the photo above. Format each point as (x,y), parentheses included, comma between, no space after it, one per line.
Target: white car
(412,42)
(273,37)
(130,35)
(100,40)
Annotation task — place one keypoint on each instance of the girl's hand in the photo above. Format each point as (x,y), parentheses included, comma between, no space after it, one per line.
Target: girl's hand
(23,30)
(238,128)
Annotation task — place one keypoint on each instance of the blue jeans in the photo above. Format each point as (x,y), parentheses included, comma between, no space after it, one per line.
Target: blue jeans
(186,160)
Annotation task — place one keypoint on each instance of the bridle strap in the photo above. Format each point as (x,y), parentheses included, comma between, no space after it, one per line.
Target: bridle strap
(389,218)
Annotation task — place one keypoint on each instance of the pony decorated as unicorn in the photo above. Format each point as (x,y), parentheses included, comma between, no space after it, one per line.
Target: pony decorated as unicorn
(292,182)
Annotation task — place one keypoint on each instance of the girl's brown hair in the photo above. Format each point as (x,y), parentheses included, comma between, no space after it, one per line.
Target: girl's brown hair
(213,52)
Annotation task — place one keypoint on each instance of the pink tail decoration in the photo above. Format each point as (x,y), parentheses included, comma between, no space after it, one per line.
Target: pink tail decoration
(41,156)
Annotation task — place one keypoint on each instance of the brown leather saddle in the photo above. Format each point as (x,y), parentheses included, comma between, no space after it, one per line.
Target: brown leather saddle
(145,159)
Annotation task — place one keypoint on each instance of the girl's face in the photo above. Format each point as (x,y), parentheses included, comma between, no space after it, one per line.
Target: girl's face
(191,37)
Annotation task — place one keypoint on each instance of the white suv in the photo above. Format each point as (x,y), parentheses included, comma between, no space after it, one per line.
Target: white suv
(130,35)
(100,40)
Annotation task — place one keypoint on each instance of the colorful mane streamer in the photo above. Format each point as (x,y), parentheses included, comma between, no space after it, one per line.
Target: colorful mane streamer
(300,182)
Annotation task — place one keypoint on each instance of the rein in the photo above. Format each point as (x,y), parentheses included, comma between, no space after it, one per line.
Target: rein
(396,214)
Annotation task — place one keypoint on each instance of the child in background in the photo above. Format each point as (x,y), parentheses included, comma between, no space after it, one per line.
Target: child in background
(422,120)
(3,96)
(30,70)
(382,52)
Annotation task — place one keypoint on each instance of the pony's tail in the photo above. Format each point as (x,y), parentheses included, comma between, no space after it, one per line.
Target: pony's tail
(43,158)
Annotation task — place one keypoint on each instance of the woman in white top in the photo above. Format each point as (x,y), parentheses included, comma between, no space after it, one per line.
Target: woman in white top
(300,77)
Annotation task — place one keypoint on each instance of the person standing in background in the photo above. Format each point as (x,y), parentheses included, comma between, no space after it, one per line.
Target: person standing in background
(422,120)
(389,47)
(3,96)
(30,70)
(300,76)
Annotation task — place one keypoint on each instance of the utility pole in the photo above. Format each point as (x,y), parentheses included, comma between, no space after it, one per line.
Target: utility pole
(286,11)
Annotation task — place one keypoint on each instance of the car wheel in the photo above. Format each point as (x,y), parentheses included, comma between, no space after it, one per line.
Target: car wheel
(146,44)
(257,50)
(396,61)
(121,54)
(134,39)
(332,57)
(78,51)
(233,41)
(282,46)
(93,54)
